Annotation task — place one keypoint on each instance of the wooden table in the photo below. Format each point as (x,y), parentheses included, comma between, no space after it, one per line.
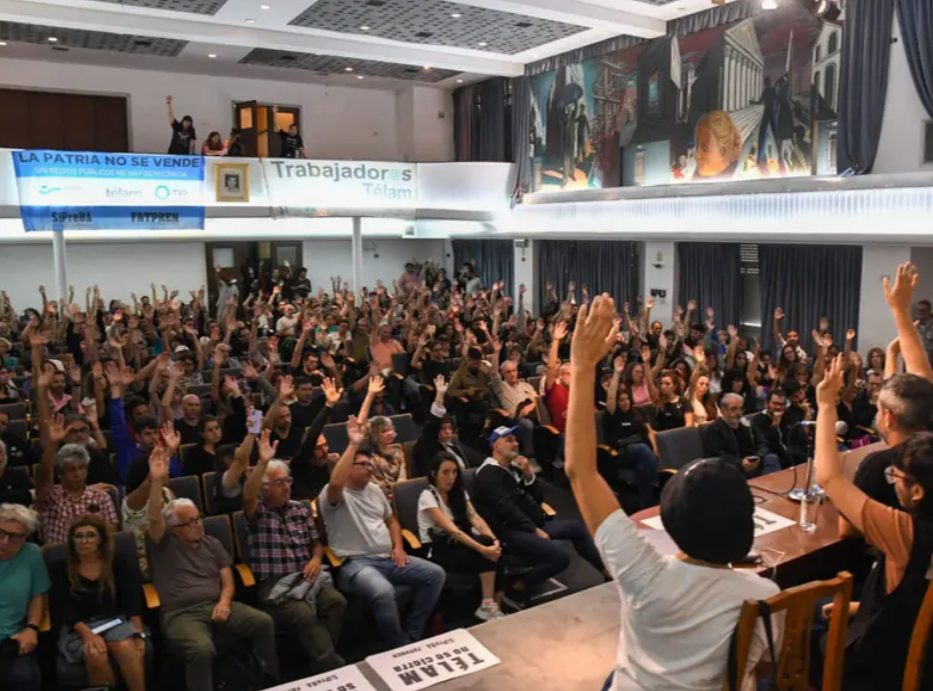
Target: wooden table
(795,556)
(564,645)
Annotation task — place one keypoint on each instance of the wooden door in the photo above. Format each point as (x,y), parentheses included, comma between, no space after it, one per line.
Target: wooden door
(247,121)
(234,259)
(14,119)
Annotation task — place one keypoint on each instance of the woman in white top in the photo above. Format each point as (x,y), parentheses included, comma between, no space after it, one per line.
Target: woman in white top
(700,396)
(460,541)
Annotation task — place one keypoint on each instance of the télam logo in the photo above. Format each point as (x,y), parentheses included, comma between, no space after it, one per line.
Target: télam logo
(45,190)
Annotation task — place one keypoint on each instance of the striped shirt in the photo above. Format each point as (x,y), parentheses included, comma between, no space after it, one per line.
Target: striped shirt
(281,540)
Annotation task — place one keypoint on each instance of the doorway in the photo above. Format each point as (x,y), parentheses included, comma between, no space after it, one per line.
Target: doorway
(256,267)
(258,127)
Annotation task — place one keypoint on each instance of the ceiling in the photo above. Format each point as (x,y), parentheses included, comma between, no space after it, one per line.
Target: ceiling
(360,42)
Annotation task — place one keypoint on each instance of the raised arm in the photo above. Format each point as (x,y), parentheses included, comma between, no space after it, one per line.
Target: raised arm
(341,472)
(892,359)
(376,386)
(168,110)
(553,362)
(612,395)
(593,337)
(53,435)
(776,326)
(286,390)
(158,476)
(252,491)
(899,298)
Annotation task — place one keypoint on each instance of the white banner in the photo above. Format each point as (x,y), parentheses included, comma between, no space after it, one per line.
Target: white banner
(343,679)
(432,661)
(765,522)
(322,185)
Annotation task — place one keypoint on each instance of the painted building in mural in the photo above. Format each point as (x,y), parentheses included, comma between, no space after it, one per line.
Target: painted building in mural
(741,100)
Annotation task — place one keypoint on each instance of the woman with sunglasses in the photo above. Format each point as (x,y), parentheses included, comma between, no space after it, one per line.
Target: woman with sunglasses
(459,539)
(96,602)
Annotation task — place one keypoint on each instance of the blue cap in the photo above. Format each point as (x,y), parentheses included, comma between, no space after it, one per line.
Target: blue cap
(500,432)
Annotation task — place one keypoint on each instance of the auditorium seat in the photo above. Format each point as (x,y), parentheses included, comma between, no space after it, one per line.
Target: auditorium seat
(677,447)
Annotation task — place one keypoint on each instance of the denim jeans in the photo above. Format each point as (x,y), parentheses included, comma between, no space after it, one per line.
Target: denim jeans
(20,673)
(641,459)
(545,556)
(374,580)
(527,436)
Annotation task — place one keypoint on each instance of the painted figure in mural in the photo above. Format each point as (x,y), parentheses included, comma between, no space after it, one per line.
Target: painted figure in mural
(568,130)
(769,118)
(583,133)
(719,144)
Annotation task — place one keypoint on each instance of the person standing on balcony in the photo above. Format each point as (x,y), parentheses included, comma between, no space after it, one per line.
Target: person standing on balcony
(183,134)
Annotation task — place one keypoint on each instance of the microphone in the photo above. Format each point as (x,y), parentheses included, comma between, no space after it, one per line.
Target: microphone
(841,427)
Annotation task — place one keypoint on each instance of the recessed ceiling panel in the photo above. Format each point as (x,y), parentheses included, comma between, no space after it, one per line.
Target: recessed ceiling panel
(192,6)
(328,65)
(435,22)
(91,40)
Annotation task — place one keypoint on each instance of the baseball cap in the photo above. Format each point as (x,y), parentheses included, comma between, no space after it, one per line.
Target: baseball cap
(182,349)
(503,431)
(707,510)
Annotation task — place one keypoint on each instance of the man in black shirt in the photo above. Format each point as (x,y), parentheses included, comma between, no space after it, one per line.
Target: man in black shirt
(293,145)
(189,427)
(306,408)
(203,458)
(301,286)
(865,405)
(14,482)
(767,425)
(279,418)
(905,407)
(183,136)
(728,438)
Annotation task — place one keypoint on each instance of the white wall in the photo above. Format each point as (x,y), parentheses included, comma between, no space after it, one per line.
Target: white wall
(337,122)
(527,272)
(118,268)
(876,326)
(663,278)
(922,258)
(383,259)
(900,149)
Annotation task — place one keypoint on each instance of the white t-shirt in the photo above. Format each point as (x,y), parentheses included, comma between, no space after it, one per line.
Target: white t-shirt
(356,525)
(430,500)
(285,326)
(677,619)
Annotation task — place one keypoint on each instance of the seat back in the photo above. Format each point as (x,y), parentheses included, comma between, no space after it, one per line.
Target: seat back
(919,642)
(798,605)
(468,476)
(405,497)
(17,428)
(340,411)
(187,487)
(199,390)
(404,428)
(219,528)
(409,449)
(530,369)
(600,432)
(241,536)
(677,447)
(114,493)
(207,480)
(336,436)
(400,363)
(15,411)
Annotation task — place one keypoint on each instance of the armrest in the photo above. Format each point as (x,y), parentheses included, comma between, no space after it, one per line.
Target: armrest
(398,376)
(667,471)
(608,449)
(550,428)
(410,538)
(548,510)
(151,595)
(46,623)
(868,430)
(246,575)
(334,560)
(503,412)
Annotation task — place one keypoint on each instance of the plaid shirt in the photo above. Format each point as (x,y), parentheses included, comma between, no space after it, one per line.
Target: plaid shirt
(281,540)
(58,510)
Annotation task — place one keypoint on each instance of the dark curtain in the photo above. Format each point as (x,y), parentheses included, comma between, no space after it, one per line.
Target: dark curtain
(809,282)
(494,260)
(709,274)
(915,18)
(521,134)
(866,53)
(482,121)
(603,267)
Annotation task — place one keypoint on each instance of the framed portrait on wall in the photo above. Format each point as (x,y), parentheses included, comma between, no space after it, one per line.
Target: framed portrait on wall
(231,182)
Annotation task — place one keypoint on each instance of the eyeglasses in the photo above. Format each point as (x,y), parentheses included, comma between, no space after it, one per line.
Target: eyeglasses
(12,537)
(891,475)
(193,521)
(85,537)
(281,482)
(365,464)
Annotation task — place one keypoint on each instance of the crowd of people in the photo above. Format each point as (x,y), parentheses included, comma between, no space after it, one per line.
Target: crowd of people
(184,138)
(135,394)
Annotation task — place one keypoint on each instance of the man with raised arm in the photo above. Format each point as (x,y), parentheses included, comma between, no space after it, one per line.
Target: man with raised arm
(362,530)
(706,508)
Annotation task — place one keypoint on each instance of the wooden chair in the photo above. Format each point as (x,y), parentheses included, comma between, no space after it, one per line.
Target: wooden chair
(919,642)
(797,605)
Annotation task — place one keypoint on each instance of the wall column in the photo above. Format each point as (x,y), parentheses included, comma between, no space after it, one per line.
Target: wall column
(527,272)
(60,262)
(659,272)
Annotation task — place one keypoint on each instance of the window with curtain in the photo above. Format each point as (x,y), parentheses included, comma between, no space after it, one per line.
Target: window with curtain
(710,274)
(494,260)
(603,267)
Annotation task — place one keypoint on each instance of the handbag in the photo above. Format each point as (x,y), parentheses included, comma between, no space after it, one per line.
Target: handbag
(764,613)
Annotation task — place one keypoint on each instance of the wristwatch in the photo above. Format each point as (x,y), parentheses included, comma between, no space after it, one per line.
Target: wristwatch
(33,627)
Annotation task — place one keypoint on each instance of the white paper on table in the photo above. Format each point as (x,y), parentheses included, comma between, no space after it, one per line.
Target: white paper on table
(342,679)
(765,522)
(432,661)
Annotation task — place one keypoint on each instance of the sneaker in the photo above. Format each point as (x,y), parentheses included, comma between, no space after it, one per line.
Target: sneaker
(489,612)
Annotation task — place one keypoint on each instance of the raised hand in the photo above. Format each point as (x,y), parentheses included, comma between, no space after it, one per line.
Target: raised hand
(662,342)
(650,304)
(778,314)
(376,385)
(901,294)
(699,355)
(691,306)
(249,371)
(170,438)
(733,332)
(710,313)
(824,324)
(618,364)
(331,392)
(75,374)
(850,335)
(440,385)
(159,464)
(827,392)
(522,289)
(355,431)
(266,450)
(560,331)
(595,333)
(286,387)
(56,429)
(231,386)
(646,355)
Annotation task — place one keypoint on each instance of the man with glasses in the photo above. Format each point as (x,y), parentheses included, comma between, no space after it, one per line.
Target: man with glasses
(737,442)
(191,572)
(22,599)
(287,556)
(364,532)
(516,396)
(865,405)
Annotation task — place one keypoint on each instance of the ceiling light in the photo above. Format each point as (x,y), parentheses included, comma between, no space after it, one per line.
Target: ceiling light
(250,21)
(2,43)
(264,7)
(769,4)
(459,81)
(482,44)
(52,39)
(348,69)
(212,55)
(359,76)
(456,15)
(364,28)
(427,67)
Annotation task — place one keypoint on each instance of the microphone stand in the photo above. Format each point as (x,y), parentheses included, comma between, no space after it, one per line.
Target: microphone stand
(810,489)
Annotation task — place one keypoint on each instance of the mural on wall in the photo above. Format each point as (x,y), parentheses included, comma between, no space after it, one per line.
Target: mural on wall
(749,99)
